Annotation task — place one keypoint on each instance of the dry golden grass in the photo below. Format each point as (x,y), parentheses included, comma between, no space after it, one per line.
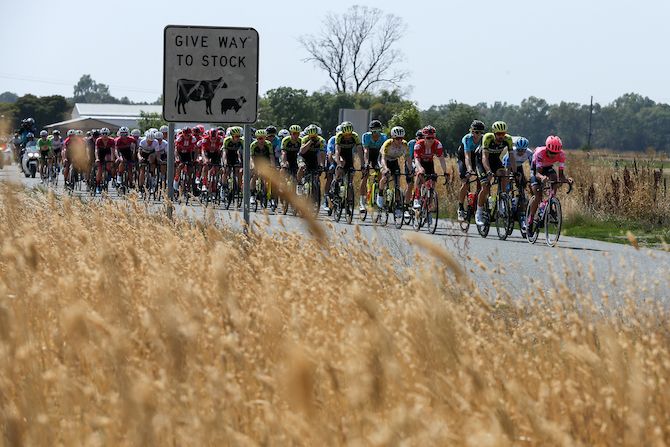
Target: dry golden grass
(118,327)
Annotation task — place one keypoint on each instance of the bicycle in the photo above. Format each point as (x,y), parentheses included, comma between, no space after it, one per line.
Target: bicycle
(372,191)
(427,214)
(74,181)
(312,188)
(394,202)
(212,194)
(497,210)
(342,199)
(551,219)
(471,206)
(518,197)
(186,181)
(231,189)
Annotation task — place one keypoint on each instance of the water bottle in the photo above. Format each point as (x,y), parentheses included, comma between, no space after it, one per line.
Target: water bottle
(514,204)
(492,201)
(471,199)
(389,195)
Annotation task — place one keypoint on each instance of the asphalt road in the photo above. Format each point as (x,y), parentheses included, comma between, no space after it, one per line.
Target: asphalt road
(584,266)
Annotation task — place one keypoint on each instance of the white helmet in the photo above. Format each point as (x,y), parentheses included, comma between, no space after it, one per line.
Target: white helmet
(158,135)
(152,130)
(164,129)
(149,135)
(398,132)
(70,132)
(124,131)
(81,132)
(44,134)
(283,133)
(103,131)
(136,132)
(338,129)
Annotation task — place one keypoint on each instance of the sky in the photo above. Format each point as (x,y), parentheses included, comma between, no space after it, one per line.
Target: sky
(455,50)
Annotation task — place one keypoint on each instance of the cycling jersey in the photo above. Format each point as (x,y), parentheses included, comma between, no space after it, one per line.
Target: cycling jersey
(543,159)
(410,146)
(162,146)
(266,150)
(44,144)
(276,146)
(185,144)
(426,154)
(231,145)
(56,143)
(347,142)
(495,148)
(124,142)
(209,144)
(521,158)
(370,143)
(330,148)
(290,145)
(393,152)
(467,145)
(147,147)
(318,144)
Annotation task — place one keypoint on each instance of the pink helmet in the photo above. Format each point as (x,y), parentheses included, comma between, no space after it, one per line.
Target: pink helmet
(553,144)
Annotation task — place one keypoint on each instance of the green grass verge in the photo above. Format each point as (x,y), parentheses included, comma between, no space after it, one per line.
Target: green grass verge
(614,230)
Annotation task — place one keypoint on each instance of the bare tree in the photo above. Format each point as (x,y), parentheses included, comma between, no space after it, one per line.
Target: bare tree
(356,49)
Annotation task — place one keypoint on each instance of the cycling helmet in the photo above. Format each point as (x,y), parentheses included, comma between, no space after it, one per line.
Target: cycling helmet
(95,133)
(271,130)
(312,130)
(347,127)
(44,134)
(376,125)
(201,128)
(164,129)
(149,135)
(235,131)
(79,132)
(69,133)
(213,133)
(88,133)
(319,131)
(158,135)
(477,125)
(521,144)
(104,131)
(295,128)
(136,132)
(30,135)
(124,131)
(186,130)
(346,123)
(283,133)
(197,131)
(261,133)
(56,132)
(398,132)
(554,144)
(499,127)
(338,129)
(419,134)
(428,131)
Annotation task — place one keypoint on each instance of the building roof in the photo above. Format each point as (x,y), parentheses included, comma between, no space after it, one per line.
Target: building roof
(117,110)
(81,123)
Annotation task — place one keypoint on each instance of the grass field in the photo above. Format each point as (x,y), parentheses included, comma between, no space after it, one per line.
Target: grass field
(118,327)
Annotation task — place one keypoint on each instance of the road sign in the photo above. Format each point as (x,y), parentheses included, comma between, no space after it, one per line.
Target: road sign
(210,74)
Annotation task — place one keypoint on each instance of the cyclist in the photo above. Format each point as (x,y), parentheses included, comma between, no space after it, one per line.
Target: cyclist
(46,153)
(372,142)
(146,153)
(162,150)
(390,153)
(211,147)
(232,155)
(290,146)
(542,171)
(311,154)
(185,147)
(346,142)
(74,153)
(469,144)
(125,150)
(489,164)
(330,165)
(57,147)
(137,135)
(522,154)
(164,130)
(409,169)
(260,148)
(424,152)
(276,143)
(104,153)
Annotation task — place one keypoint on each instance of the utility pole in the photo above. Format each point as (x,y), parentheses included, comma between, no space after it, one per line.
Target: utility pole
(588,145)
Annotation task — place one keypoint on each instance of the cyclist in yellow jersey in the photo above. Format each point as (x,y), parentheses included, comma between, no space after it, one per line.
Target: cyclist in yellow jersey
(489,163)
(389,157)
(311,155)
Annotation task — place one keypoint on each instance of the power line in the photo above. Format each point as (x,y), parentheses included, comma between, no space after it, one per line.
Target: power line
(61,82)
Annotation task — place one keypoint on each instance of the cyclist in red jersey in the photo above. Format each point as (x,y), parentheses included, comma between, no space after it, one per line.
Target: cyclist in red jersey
(211,148)
(185,147)
(74,151)
(125,149)
(105,152)
(424,151)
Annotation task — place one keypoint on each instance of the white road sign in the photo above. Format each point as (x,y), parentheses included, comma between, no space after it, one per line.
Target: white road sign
(210,74)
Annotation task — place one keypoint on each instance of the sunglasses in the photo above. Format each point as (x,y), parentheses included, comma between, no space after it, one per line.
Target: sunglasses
(398,138)
(430,138)
(501,134)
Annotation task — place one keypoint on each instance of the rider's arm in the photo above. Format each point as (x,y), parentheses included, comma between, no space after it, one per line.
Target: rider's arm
(443,164)
(305,147)
(485,160)
(337,155)
(468,162)
(366,155)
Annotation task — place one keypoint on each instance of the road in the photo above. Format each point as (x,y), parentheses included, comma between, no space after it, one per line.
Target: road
(585,266)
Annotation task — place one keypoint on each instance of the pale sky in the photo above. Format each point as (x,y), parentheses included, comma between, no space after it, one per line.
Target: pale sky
(466,50)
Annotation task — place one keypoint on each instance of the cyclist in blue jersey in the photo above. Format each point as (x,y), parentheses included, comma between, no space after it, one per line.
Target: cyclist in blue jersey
(372,142)
(276,143)
(465,156)
(330,165)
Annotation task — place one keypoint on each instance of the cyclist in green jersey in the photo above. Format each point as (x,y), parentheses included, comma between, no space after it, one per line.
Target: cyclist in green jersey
(46,151)
(311,155)
(290,146)
(260,148)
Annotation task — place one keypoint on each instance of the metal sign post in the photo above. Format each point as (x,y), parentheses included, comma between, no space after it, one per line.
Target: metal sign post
(170,168)
(246,176)
(210,75)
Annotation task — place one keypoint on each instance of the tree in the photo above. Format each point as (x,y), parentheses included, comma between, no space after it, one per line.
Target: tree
(8,97)
(87,90)
(289,106)
(149,120)
(45,110)
(408,118)
(357,49)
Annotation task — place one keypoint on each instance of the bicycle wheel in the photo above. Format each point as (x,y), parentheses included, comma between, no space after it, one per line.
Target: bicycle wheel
(432,212)
(349,200)
(315,193)
(503,216)
(553,220)
(398,209)
(483,230)
(531,238)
